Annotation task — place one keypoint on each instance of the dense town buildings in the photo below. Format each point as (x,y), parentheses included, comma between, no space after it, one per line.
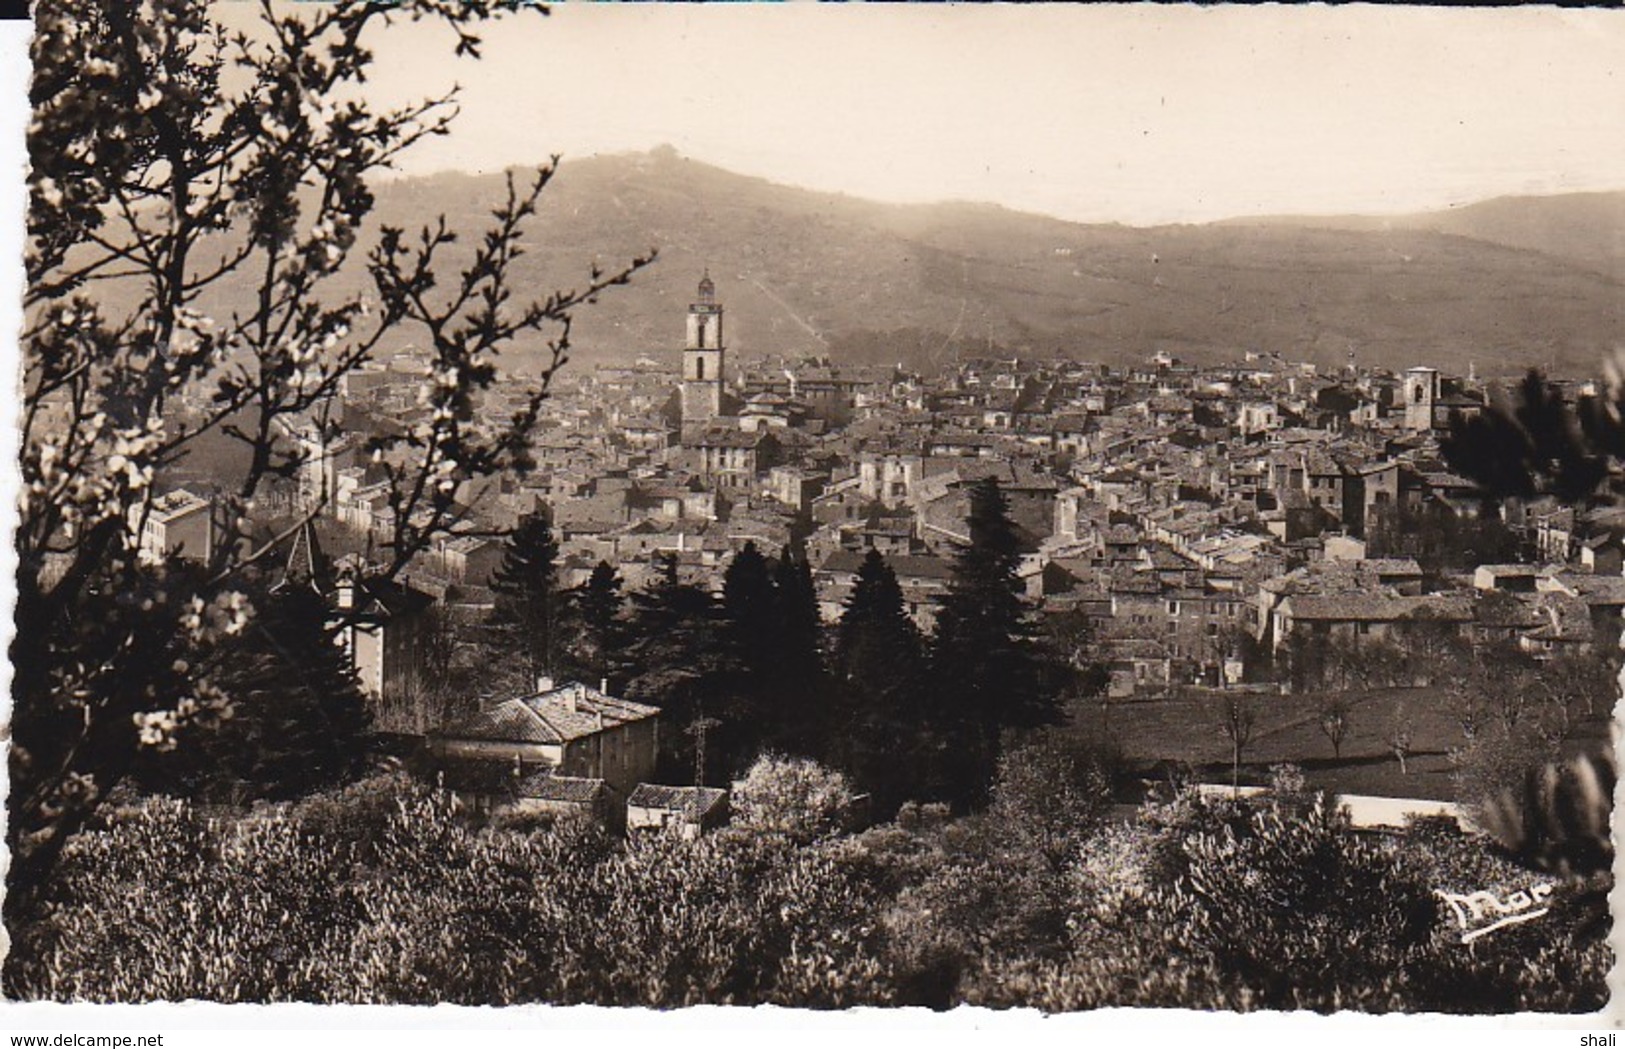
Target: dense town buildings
(1205,519)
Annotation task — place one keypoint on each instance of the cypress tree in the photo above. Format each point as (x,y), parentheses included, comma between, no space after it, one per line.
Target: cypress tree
(799,624)
(754,714)
(752,610)
(680,661)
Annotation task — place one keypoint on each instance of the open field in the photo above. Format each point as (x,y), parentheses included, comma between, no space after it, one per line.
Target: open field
(1163,731)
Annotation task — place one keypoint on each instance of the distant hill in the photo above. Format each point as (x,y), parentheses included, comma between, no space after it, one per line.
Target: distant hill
(1503,284)
(1587,229)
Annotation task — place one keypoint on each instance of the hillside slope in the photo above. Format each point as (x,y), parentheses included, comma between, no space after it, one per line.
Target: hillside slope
(1586,229)
(807,272)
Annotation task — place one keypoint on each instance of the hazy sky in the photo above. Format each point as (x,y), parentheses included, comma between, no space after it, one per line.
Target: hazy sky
(1138,114)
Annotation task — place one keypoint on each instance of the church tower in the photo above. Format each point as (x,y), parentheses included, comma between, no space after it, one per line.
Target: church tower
(703,354)
(1421,391)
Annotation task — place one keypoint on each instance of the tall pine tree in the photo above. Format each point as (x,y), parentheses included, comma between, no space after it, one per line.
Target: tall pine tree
(680,661)
(300,723)
(986,670)
(872,724)
(800,624)
(751,605)
(525,615)
(594,633)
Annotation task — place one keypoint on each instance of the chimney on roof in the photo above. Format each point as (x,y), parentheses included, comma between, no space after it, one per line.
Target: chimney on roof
(603,685)
(544,683)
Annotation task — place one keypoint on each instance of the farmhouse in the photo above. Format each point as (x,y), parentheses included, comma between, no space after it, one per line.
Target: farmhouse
(570,730)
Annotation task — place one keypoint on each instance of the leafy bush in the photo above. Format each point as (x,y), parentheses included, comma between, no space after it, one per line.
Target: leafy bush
(1299,909)
(1048,798)
(1219,903)
(796,797)
(349,901)
(385,892)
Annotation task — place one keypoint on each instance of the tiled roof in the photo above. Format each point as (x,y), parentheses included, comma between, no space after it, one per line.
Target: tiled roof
(1599,590)
(570,712)
(906,566)
(692,802)
(1391,566)
(543,785)
(176,504)
(1375,608)
(731,438)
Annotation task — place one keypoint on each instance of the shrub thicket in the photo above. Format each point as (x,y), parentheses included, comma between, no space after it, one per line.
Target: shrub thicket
(385,893)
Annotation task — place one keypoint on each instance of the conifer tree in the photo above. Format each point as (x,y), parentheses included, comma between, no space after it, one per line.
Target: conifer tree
(593,630)
(872,731)
(751,615)
(800,626)
(525,613)
(986,671)
(678,660)
(300,722)
(752,609)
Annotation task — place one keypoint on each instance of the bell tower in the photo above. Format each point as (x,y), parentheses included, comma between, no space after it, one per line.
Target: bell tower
(703,358)
(1421,391)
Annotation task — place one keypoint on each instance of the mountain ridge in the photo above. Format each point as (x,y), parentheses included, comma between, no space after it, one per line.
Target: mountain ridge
(811,272)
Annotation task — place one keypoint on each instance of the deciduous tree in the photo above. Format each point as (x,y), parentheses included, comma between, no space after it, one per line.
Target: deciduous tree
(191,193)
(1234,716)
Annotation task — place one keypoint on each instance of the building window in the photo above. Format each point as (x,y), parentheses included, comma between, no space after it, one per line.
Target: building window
(699,362)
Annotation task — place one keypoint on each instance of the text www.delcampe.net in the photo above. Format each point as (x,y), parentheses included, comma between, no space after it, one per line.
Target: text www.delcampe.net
(89,1041)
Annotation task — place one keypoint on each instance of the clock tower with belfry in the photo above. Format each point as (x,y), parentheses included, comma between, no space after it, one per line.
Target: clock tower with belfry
(700,394)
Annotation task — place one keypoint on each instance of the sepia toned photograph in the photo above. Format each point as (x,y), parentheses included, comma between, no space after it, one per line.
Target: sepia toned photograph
(652,506)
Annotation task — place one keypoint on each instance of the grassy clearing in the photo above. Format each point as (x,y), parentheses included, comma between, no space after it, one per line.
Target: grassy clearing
(1175,730)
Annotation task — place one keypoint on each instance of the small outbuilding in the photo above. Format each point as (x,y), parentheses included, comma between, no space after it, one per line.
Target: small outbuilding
(690,810)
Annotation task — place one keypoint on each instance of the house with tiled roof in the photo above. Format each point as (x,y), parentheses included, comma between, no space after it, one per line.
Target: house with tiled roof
(568,730)
(1363,615)
(685,811)
(732,458)
(178,523)
(380,624)
(495,788)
